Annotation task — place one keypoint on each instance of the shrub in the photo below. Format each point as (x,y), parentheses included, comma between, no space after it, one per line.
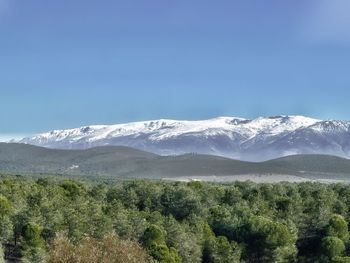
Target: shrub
(110,249)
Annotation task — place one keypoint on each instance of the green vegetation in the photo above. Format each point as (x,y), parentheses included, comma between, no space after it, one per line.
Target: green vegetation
(2,256)
(57,220)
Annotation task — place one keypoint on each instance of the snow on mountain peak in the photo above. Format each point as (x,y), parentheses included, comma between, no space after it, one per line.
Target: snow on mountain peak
(241,138)
(164,128)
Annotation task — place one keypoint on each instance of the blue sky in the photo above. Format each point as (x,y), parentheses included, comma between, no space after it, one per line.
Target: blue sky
(71,63)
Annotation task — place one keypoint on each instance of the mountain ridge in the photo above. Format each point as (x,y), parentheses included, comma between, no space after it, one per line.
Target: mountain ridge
(257,139)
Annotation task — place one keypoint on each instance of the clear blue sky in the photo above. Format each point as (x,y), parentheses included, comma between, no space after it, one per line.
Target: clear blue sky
(70,63)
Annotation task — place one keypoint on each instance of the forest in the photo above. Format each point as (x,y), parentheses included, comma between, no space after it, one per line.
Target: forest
(65,220)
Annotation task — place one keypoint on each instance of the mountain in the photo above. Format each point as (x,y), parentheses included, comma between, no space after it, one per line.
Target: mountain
(259,139)
(108,160)
(119,161)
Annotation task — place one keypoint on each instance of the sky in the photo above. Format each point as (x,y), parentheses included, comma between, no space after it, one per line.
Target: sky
(64,64)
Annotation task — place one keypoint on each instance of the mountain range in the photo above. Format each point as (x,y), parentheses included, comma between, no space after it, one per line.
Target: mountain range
(257,139)
(125,162)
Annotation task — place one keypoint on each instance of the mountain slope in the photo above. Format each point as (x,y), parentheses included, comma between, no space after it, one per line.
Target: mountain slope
(21,158)
(128,162)
(312,164)
(252,140)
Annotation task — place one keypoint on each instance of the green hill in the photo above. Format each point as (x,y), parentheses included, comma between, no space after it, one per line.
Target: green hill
(129,162)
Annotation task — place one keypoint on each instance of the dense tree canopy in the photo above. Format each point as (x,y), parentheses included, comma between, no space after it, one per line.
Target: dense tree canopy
(53,219)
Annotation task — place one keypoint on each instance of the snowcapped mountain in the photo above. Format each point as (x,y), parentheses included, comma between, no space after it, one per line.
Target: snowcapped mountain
(255,140)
